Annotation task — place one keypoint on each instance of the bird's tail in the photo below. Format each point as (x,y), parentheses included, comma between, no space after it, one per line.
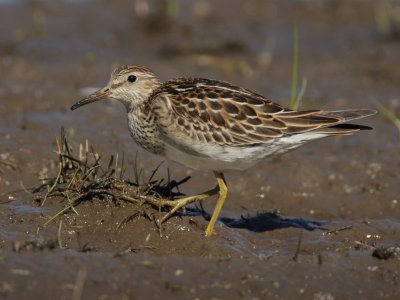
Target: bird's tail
(344,116)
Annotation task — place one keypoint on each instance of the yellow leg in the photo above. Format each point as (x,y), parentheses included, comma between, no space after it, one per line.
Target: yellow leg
(181,203)
(223,191)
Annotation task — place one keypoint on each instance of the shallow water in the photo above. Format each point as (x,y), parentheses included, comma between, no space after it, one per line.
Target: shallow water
(349,184)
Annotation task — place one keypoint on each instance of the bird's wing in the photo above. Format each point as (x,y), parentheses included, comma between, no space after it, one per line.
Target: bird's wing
(221,113)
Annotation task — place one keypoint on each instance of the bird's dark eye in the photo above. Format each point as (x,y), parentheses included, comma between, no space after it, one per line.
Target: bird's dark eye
(132,78)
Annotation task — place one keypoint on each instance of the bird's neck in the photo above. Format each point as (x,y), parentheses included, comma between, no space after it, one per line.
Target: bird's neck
(141,115)
(143,127)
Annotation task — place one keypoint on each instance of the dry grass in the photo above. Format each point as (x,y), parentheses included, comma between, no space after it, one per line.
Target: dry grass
(296,98)
(83,177)
(389,113)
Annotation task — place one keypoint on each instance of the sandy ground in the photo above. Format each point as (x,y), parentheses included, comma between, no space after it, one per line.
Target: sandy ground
(302,226)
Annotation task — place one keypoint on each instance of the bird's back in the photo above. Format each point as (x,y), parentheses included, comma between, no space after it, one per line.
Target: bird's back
(205,119)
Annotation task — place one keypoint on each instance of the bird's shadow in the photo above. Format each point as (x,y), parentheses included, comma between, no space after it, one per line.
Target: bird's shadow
(263,221)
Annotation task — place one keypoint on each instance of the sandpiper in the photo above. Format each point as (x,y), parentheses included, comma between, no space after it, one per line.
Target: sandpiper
(213,125)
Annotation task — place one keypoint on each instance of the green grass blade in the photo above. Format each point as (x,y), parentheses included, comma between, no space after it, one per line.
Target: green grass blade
(299,97)
(61,212)
(59,240)
(295,67)
(388,113)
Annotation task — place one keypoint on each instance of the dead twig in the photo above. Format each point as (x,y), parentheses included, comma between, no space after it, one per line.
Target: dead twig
(337,230)
(298,247)
(8,164)
(83,178)
(79,284)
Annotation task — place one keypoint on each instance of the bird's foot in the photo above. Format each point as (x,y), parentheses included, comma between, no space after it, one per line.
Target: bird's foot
(209,232)
(183,202)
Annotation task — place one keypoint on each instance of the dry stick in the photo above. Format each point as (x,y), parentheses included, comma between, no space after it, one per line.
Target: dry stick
(128,218)
(150,187)
(80,151)
(96,170)
(110,163)
(116,167)
(135,170)
(61,165)
(319,259)
(8,164)
(178,183)
(122,172)
(65,141)
(72,179)
(296,254)
(79,284)
(71,203)
(85,164)
(169,184)
(96,158)
(154,172)
(53,186)
(24,188)
(108,172)
(63,155)
(149,200)
(358,243)
(89,172)
(158,224)
(7,201)
(142,199)
(338,230)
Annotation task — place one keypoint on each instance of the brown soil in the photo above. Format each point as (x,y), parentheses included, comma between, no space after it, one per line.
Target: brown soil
(302,226)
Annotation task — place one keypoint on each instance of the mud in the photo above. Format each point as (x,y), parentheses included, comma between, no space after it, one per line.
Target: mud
(301,226)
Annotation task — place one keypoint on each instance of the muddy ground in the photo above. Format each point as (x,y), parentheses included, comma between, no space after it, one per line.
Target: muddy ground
(302,226)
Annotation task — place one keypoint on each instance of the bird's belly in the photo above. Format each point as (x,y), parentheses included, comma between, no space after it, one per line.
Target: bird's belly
(216,158)
(224,158)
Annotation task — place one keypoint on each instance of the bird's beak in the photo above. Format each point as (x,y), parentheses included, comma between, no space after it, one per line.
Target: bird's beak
(96,96)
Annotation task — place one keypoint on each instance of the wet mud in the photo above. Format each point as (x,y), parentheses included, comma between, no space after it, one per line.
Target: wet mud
(321,222)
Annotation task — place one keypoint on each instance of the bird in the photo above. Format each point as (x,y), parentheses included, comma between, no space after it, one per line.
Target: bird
(213,125)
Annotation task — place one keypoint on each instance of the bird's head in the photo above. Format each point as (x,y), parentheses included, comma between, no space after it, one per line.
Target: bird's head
(131,85)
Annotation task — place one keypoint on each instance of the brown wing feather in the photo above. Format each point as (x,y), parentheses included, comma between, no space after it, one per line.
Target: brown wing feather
(217,111)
